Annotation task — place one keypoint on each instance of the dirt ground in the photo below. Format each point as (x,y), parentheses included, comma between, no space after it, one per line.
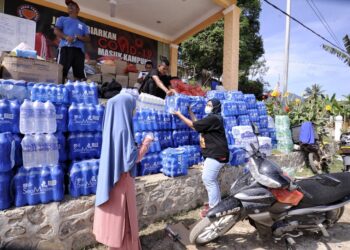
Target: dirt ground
(244,236)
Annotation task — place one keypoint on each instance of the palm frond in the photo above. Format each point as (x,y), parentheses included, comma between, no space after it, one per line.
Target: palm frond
(341,55)
(346,41)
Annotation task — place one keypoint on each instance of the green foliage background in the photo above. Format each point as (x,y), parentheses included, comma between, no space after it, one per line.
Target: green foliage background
(205,50)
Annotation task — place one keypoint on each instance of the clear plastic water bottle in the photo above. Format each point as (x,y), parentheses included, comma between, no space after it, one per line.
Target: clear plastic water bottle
(100,112)
(33,176)
(26,118)
(75,179)
(40,124)
(42,93)
(62,152)
(34,96)
(18,150)
(28,151)
(19,90)
(48,91)
(84,111)
(93,88)
(72,145)
(41,150)
(57,175)
(14,111)
(55,95)
(65,94)
(7,152)
(74,118)
(5,123)
(143,122)
(45,191)
(79,92)
(61,118)
(85,93)
(8,88)
(5,190)
(50,124)
(19,180)
(52,153)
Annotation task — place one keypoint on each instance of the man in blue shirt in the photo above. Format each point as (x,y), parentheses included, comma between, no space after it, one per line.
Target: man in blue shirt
(73,34)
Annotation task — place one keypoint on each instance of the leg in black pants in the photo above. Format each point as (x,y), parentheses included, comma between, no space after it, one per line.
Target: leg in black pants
(72,57)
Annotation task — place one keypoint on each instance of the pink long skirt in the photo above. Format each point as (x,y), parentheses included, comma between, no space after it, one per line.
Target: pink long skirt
(115,222)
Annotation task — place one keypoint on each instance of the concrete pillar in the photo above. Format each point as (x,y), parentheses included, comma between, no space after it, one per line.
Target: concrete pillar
(231,47)
(337,127)
(173,59)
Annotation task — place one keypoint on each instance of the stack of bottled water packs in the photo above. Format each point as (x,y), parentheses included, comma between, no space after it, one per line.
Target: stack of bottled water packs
(84,141)
(40,180)
(32,164)
(241,111)
(283,134)
(153,115)
(150,117)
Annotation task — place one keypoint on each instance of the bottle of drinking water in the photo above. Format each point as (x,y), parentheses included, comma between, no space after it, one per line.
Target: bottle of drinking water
(52,146)
(100,112)
(65,94)
(28,151)
(14,110)
(34,95)
(41,150)
(50,123)
(27,120)
(41,93)
(39,117)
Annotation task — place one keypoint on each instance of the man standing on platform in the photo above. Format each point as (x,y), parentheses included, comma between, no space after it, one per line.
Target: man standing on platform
(73,34)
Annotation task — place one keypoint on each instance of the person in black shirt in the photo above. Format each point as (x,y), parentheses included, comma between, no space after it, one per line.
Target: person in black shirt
(214,148)
(157,82)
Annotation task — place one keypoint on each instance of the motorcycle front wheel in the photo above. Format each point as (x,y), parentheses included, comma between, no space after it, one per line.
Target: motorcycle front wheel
(207,230)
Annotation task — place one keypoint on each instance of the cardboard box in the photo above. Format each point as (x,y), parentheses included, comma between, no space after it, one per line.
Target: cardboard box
(133,76)
(95,78)
(107,78)
(31,70)
(132,79)
(121,66)
(123,80)
(131,83)
(140,67)
(108,69)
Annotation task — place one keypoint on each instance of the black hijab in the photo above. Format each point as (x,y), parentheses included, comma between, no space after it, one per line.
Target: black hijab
(216,106)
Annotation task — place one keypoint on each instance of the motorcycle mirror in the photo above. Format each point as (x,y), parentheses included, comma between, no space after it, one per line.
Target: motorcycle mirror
(255,128)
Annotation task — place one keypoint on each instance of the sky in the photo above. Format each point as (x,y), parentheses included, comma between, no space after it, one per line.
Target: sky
(309,63)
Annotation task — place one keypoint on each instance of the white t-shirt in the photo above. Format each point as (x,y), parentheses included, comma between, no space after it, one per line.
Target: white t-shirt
(142,74)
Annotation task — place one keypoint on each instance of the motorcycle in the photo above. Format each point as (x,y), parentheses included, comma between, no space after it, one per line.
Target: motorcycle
(344,150)
(276,205)
(317,155)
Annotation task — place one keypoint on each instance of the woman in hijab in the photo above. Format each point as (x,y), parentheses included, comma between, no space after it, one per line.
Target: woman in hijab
(115,222)
(214,148)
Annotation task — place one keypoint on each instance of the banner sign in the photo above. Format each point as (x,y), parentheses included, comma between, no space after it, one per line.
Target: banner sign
(105,40)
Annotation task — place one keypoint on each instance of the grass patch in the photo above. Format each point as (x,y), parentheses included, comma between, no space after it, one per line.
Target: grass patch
(336,166)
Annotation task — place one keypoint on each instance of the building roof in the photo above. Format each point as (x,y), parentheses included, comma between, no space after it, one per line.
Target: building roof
(169,21)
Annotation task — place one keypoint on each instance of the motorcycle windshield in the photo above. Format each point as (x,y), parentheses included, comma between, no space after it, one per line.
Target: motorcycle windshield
(262,179)
(244,180)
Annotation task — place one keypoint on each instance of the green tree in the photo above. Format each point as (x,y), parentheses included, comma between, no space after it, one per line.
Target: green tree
(205,49)
(314,92)
(345,57)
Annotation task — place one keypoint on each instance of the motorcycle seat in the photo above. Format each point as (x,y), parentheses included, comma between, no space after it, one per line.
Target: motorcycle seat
(324,189)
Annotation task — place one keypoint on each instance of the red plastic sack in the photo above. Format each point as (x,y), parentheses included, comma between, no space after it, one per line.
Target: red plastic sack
(131,68)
